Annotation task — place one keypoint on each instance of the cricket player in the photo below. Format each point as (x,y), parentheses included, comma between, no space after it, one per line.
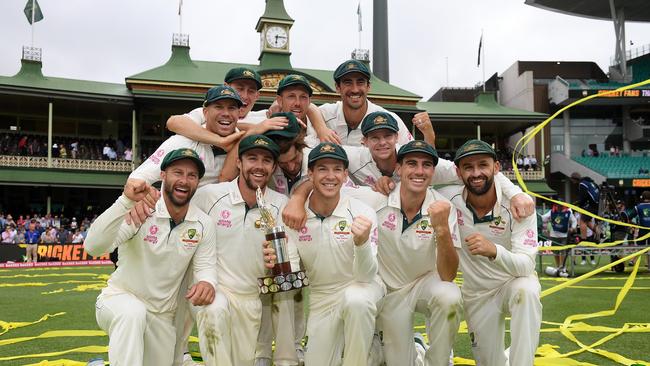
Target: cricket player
(228,328)
(137,307)
(343,118)
(563,222)
(418,259)
(220,110)
(336,249)
(498,262)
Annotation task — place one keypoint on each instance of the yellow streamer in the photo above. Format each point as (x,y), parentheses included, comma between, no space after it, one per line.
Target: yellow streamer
(55,334)
(60,363)
(7,326)
(85,349)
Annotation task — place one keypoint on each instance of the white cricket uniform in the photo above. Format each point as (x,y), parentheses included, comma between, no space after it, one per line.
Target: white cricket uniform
(504,285)
(407,265)
(345,288)
(149,170)
(137,307)
(253,117)
(362,169)
(335,120)
(228,328)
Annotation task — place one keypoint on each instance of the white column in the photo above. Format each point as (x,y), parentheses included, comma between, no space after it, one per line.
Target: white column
(49,136)
(49,204)
(478,130)
(567,134)
(135,145)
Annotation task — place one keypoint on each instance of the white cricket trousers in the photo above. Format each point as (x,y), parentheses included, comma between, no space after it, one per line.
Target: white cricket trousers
(345,319)
(441,304)
(486,315)
(281,319)
(135,335)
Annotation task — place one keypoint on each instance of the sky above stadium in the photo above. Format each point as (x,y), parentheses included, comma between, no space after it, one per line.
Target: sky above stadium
(106,40)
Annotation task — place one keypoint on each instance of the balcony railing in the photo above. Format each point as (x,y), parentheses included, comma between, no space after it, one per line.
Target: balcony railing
(526,174)
(72,164)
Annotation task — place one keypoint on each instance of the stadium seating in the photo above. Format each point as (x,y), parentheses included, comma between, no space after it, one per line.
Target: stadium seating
(624,167)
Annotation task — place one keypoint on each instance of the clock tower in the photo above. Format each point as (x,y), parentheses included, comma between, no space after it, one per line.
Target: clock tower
(274,26)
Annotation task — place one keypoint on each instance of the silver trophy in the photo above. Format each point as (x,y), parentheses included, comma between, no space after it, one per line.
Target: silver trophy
(281,278)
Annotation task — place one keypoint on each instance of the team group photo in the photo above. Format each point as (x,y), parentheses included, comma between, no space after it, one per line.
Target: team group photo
(238,212)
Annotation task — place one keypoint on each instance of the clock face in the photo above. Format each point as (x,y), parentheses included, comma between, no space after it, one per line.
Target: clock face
(276,37)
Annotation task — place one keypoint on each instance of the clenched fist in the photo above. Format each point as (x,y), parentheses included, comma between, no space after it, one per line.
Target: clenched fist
(439,214)
(361,230)
(477,244)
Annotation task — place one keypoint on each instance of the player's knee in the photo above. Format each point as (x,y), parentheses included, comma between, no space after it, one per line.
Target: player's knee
(451,298)
(525,290)
(357,300)
(133,316)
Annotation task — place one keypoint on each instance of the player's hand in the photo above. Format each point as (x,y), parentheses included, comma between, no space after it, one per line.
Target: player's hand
(302,124)
(521,206)
(439,214)
(269,255)
(328,135)
(384,185)
(361,230)
(229,142)
(275,123)
(137,189)
(422,122)
(201,293)
(294,214)
(477,244)
(138,214)
(274,108)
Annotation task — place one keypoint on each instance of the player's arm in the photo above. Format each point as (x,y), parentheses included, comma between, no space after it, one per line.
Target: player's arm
(573,222)
(364,235)
(205,270)
(229,170)
(520,260)
(547,216)
(109,229)
(189,125)
(294,214)
(403,135)
(443,221)
(423,123)
(317,121)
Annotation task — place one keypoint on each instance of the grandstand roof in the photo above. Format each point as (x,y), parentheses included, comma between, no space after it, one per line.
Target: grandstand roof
(485,108)
(182,77)
(31,81)
(635,10)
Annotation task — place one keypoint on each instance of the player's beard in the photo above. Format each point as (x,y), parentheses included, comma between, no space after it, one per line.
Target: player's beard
(178,202)
(481,190)
(251,185)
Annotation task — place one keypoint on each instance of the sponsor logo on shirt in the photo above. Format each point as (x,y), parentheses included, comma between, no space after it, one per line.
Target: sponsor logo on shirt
(157,156)
(498,226)
(370,181)
(389,223)
(459,218)
(342,231)
(423,230)
(304,235)
(152,238)
(224,220)
(530,240)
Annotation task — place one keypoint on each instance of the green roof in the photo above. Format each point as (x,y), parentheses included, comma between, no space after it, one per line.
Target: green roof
(30,77)
(540,187)
(484,108)
(180,68)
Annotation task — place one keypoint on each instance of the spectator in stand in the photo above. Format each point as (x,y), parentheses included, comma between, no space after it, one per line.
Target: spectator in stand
(128,154)
(32,237)
(85,224)
(74,148)
(83,231)
(77,237)
(55,150)
(112,155)
(2,221)
(73,224)
(8,235)
(527,162)
(22,145)
(119,148)
(48,236)
(20,236)
(533,162)
(520,162)
(105,151)
(63,152)
(9,220)
(62,236)
(21,221)
(56,222)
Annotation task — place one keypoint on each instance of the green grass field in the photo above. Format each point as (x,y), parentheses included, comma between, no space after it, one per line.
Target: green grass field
(28,294)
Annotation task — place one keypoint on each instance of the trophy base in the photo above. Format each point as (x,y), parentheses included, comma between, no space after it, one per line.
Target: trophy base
(282,282)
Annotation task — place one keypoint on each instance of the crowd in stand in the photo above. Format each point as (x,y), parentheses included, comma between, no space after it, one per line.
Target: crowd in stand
(71,147)
(524,162)
(46,229)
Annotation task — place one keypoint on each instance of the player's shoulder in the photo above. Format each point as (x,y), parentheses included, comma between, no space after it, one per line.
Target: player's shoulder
(330,110)
(276,198)
(453,192)
(358,207)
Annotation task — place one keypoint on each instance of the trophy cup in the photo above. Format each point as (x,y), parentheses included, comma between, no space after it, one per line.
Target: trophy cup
(281,279)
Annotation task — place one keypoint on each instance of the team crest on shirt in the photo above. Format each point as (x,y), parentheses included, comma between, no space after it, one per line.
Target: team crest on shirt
(423,230)
(498,226)
(190,238)
(342,231)
(303,234)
